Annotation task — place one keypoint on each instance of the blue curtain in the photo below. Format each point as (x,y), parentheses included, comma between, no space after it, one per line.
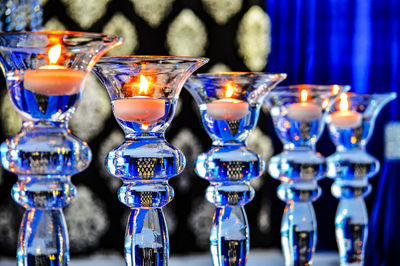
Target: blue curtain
(384,244)
(355,42)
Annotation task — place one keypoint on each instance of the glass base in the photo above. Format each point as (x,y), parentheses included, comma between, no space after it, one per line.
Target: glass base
(297,166)
(229,238)
(298,233)
(299,225)
(351,224)
(146,238)
(352,165)
(45,149)
(231,162)
(43,239)
(145,159)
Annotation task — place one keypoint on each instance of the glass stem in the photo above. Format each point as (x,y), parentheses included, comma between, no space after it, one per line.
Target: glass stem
(43,238)
(298,233)
(229,239)
(146,238)
(351,230)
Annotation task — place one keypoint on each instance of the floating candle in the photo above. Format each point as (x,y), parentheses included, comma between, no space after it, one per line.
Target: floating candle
(140,108)
(304,111)
(345,118)
(228,108)
(52,79)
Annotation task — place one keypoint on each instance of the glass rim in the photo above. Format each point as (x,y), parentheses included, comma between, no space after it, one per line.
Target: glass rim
(295,88)
(149,58)
(225,74)
(111,38)
(391,94)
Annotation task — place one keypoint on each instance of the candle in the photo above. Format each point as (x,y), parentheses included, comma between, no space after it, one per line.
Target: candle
(304,111)
(345,118)
(141,108)
(52,79)
(228,108)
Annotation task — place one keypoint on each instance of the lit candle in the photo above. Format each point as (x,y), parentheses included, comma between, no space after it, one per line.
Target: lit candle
(53,79)
(345,118)
(304,111)
(140,108)
(228,108)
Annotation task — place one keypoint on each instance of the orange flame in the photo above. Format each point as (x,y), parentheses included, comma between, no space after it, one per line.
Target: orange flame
(303,95)
(143,85)
(229,92)
(54,54)
(335,89)
(230,88)
(344,102)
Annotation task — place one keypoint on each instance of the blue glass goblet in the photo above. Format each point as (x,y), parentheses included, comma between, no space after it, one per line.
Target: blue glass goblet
(46,73)
(298,114)
(144,91)
(351,123)
(229,105)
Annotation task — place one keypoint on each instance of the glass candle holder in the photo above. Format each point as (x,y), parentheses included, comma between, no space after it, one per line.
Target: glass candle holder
(298,114)
(144,91)
(351,123)
(45,74)
(229,105)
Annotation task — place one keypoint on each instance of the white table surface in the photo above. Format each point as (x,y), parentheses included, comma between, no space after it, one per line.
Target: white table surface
(257,257)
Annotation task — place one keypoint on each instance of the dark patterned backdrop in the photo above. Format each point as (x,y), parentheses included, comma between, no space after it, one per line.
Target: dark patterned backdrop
(235,34)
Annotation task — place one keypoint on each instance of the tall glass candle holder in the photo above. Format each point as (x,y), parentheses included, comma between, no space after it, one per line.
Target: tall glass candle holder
(46,73)
(144,91)
(351,123)
(298,114)
(229,105)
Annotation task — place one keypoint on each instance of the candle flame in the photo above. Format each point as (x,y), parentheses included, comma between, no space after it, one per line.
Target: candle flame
(143,84)
(230,88)
(303,95)
(229,92)
(344,102)
(335,89)
(54,54)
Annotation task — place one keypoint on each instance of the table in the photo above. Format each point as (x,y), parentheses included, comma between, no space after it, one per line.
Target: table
(257,257)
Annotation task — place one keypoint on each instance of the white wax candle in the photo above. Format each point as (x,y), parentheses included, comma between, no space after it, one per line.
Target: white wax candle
(304,111)
(139,109)
(227,109)
(53,80)
(346,119)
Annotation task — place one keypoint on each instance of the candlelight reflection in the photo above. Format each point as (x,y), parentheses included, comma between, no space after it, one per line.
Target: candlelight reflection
(325,103)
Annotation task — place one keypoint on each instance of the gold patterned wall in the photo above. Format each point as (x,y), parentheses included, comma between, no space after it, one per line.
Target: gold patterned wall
(185,30)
